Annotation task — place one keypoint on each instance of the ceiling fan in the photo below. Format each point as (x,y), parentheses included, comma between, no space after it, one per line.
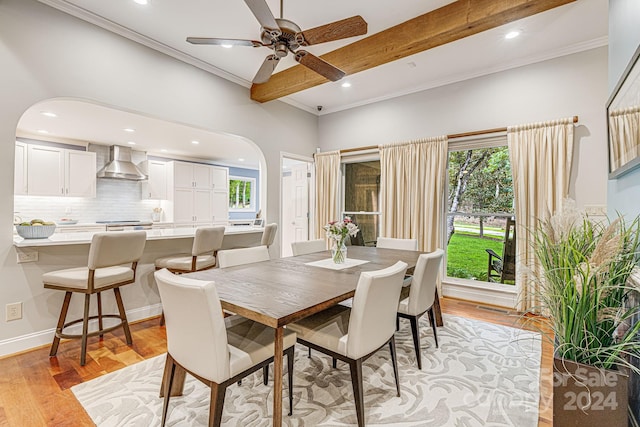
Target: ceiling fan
(284,36)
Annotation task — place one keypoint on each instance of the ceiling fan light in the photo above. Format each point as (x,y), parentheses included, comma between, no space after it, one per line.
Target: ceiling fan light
(346,84)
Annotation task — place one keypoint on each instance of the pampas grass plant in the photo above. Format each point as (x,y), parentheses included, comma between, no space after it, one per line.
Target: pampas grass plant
(584,287)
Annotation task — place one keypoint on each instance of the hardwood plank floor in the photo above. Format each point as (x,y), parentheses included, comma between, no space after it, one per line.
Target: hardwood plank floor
(35,389)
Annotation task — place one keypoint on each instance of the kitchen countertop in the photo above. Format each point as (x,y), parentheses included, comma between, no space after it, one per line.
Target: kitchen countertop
(79,238)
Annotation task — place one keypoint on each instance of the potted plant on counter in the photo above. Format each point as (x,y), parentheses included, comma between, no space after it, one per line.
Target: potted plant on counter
(584,289)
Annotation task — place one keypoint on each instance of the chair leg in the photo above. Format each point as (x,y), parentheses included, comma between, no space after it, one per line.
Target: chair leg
(99,297)
(265,374)
(416,339)
(171,366)
(85,329)
(397,323)
(394,361)
(432,320)
(123,316)
(309,352)
(162,319)
(216,405)
(334,363)
(61,319)
(290,359)
(356,381)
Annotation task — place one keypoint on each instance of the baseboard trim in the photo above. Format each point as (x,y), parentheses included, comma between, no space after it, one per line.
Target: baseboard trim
(486,296)
(38,339)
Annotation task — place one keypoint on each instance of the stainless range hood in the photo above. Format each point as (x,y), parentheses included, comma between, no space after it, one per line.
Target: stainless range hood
(120,165)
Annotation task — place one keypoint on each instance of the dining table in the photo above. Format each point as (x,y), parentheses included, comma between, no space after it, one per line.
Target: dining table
(284,290)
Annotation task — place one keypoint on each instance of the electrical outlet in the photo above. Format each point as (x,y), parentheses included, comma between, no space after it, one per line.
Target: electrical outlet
(26,256)
(14,311)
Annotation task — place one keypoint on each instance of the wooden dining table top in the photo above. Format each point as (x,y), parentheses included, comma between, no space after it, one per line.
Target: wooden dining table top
(283,290)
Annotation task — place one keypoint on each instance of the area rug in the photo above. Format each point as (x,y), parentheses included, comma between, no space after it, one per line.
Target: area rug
(481,375)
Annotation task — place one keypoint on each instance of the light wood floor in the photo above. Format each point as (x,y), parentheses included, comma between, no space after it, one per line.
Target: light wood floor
(35,389)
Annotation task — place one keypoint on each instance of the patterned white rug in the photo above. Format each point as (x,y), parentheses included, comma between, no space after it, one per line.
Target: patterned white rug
(482,375)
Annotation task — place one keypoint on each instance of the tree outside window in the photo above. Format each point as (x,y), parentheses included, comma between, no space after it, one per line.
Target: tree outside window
(241,193)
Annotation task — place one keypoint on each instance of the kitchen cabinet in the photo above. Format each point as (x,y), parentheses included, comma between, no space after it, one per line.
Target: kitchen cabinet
(220,208)
(53,171)
(155,188)
(194,198)
(20,176)
(192,175)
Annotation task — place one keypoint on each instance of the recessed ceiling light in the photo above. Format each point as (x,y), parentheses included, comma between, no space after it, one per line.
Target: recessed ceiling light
(226,46)
(346,84)
(48,114)
(131,143)
(241,159)
(43,131)
(195,142)
(129,130)
(142,1)
(164,150)
(512,34)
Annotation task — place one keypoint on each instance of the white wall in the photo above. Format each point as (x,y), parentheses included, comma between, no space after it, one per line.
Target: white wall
(46,54)
(562,87)
(624,39)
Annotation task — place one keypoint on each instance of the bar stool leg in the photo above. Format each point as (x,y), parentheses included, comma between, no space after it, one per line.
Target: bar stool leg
(63,316)
(123,316)
(99,296)
(85,329)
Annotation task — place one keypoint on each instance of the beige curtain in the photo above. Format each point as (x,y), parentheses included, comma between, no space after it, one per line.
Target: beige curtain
(412,182)
(328,182)
(624,134)
(541,155)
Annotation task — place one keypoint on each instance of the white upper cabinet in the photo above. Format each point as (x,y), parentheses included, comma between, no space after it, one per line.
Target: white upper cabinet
(156,186)
(220,178)
(192,175)
(80,173)
(53,171)
(20,178)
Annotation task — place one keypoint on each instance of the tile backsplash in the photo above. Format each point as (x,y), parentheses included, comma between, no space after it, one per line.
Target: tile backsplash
(115,200)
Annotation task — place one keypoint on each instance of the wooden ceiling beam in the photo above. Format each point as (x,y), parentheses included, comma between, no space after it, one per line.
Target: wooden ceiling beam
(449,23)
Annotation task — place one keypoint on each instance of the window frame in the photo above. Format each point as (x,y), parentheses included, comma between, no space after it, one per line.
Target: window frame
(252,205)
(463,144)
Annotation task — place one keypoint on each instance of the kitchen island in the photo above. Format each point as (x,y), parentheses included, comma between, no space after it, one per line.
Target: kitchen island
(234,237)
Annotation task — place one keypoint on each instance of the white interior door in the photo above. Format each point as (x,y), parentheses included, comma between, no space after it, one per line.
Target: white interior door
(295,204)
(300,194)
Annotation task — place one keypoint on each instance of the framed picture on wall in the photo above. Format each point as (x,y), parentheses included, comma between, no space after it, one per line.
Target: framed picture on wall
(623,121)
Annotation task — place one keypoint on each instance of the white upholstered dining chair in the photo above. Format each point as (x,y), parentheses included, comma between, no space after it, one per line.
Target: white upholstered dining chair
(422,296)
(308,247)
(206,243)
(217,351)
(232,257)
(354,334)
(393,243)
(113,258)
(269,234)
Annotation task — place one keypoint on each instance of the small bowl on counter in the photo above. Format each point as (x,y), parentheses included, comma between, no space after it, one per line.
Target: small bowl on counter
(35,231)
(66,221)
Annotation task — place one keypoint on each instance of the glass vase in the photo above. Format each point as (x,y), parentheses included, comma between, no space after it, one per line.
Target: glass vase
(339,252)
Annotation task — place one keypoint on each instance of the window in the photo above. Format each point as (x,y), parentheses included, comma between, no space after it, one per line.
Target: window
(242,194)
(480,219)
(362,198)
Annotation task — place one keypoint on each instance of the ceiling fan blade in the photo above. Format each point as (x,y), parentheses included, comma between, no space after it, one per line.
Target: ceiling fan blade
(263,14)
(318,65)
(266,69)
(220,42)
(349,27)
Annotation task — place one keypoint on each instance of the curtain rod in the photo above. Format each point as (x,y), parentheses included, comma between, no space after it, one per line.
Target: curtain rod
(452,136)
